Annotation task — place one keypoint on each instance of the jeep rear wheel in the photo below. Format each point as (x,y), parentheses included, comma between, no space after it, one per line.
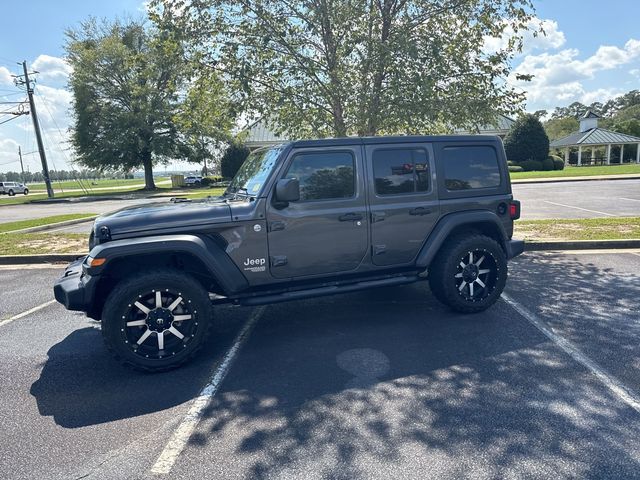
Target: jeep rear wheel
(469,274)
(156,321)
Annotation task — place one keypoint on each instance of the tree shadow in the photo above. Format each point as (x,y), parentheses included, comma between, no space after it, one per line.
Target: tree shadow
(596,308)
(464,396)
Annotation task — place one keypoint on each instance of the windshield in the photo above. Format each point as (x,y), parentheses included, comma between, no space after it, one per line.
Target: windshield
(254,172)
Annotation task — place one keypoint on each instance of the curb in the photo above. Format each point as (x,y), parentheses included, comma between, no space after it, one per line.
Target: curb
(533,246)
(525,181)
(51,226)
(528,247)
(44,258)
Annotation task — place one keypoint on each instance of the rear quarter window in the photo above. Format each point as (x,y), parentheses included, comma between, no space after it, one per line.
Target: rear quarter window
(470,167)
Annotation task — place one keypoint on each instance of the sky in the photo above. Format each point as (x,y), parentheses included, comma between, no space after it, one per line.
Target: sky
(591,52)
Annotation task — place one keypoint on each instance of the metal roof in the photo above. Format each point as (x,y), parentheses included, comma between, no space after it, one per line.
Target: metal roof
(590,114)
(502,125)
(259,135)
(594,136)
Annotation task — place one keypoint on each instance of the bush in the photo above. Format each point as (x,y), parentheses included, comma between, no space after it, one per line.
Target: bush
(531,165)
(558,162)
(515,168)
(511,163)
(210,180)
(547,164)
(233,158)
(527,140)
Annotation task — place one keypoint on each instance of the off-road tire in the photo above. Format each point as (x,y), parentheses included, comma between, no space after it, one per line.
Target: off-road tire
(446,273)
(119,302)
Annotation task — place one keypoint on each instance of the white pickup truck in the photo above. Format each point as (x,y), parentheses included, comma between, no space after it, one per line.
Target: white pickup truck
(193,180)
(11,188)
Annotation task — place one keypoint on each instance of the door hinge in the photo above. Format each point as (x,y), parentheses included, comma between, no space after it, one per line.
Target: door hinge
(377,216)
(379,249)
(278,260)
(275,226)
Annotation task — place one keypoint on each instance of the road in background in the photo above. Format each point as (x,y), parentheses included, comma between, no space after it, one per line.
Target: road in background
(590,199)
(385,383)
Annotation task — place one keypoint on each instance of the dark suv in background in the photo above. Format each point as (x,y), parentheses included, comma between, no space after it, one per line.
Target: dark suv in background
(301,220)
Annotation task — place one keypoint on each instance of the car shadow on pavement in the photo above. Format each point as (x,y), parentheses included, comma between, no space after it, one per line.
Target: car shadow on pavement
(383,384)
(81,384)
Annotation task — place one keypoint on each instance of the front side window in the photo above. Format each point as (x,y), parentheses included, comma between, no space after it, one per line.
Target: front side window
(254,172)
(470,167)
(324,176)
(401,170)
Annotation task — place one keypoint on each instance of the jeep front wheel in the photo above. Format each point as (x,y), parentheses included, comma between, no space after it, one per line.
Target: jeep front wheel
(156,321)
(469,273)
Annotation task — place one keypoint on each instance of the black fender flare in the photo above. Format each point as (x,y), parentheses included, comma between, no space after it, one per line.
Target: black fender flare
(203,248)
(449,222)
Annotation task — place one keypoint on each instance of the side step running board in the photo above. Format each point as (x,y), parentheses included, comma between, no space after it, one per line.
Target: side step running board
(329,290)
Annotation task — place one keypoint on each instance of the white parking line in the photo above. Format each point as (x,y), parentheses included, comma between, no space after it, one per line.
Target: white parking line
(181,436)
(632,199)
(620,390)
(580,208)
(28,312)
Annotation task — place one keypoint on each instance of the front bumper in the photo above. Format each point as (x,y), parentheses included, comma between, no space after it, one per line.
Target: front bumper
(514,248)
(75,288)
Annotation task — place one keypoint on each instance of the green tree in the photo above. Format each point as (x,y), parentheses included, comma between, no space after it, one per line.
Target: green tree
(126,82)
(233,158)
(527,140)
(206,118)
(335,68)
(561,127)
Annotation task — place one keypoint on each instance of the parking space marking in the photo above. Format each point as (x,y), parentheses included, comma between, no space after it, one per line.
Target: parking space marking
(181,435)
(28,312)
(632,199)
(620,390)
(580,208)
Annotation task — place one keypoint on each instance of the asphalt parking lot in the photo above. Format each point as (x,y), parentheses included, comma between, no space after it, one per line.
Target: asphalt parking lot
(383,383)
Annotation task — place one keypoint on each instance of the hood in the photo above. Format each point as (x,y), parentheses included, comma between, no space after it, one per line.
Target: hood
(153,217)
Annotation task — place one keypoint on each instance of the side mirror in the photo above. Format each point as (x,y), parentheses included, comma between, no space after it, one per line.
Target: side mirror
(287,190)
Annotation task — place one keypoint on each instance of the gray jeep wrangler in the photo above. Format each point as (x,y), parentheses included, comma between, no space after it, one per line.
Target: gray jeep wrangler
(300,220)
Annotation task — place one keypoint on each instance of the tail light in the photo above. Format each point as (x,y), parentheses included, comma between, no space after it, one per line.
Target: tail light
(514,209)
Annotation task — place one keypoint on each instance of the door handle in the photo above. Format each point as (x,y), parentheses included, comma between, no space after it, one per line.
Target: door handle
(350,217)
(419,211)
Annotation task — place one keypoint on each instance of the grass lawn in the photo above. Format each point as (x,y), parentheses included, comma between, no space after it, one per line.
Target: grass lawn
(36,222)
(579,229)
(38,243)
(195,193)
(101,183)
(581,171)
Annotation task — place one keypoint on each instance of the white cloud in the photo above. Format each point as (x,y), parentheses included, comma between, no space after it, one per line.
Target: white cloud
(8,148)
(51,68)
(635,72)
(558,77)
(5,76)
(541,34)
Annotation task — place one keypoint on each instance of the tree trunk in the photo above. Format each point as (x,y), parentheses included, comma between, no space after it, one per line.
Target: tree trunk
(149,184)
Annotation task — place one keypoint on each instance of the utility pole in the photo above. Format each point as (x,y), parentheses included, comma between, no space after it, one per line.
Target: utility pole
(21,164)
(36,127)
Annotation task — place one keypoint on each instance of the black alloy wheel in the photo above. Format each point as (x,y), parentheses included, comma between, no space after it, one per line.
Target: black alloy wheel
(156,321)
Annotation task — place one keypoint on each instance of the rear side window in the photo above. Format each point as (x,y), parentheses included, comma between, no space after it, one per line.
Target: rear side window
(469,167)
(324,176)
(401,170)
